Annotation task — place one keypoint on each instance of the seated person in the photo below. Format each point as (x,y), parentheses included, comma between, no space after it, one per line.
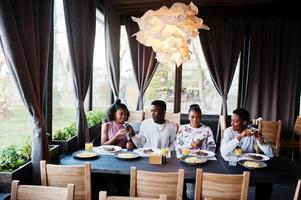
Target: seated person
(115,131)
(239,135)
(195,135)
(156,132)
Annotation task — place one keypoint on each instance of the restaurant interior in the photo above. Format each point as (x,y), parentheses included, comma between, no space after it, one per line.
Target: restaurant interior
(67,67)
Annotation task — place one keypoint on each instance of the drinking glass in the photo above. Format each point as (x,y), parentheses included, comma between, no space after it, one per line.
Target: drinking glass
(233,160)
(185,151)
(89,146)
(164,151)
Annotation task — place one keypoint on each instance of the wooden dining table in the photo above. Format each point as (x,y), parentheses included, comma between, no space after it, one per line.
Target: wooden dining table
(279,170)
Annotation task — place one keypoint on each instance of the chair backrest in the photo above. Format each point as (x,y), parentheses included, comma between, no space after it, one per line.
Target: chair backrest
(61,175)
(136,116)
(297,192)
(147,114)
(271,130)
(174,117)
(297,127)
(35,192)
(221,186)
(103,196)
(152,184)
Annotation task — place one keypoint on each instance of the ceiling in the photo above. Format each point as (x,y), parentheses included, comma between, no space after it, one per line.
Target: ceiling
(138,7)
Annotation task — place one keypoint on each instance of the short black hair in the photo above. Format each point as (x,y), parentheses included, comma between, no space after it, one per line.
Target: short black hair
(195,108)
(242,113)
(161,104)
(114,107)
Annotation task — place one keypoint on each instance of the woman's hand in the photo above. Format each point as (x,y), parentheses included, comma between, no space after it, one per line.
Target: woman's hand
(196,144)
(121,133)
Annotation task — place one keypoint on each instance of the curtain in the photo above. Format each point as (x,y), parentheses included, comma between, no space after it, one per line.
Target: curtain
(112,44)
(221,46)
(274,71)
(143,59)
(80,16)
(25,37)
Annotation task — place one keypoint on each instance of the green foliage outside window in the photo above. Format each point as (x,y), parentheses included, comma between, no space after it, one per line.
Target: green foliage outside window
(93,117)
(12,157)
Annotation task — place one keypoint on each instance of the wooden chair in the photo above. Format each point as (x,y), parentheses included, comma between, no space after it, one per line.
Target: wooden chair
(297,195)
(34,192)
(103,196)
(147,114)
(271,130)
(292,143)
(174,117)
(61,175)
(136,116)
(221,186)
(152,184)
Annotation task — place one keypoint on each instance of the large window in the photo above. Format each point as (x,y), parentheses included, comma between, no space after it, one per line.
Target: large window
(15,125)
(197,85)
(101,88)
(128,90)
(64,111)
(161,87)
(233,92)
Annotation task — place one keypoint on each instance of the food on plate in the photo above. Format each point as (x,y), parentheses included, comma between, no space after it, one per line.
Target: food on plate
(108,148)
(254,157)
(201,153)
(85,154)
(148,151)
(127,155)
(251,164)
(193,160)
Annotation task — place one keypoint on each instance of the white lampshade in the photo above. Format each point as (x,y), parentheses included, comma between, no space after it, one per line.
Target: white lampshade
(169,30)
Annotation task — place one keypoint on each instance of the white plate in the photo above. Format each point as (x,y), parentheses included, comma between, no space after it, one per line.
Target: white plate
(196,160)
(108,148)
(255,156)
(145,152)
(127,155)
(85,154)
(252,164)
(202,153)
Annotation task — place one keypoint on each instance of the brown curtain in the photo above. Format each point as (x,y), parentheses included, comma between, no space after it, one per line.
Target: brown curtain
(221,46)
(274,70)
(143,59)
(25,36)
(80,18)
(112,44)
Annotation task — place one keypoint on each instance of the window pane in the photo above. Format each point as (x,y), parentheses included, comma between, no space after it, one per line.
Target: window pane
(101,87)
(15,125)
(128,91)
(64,112)
(161,87)
(197,86)
(233,92)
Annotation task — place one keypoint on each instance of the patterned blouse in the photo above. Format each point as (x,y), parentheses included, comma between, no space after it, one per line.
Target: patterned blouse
(187,134)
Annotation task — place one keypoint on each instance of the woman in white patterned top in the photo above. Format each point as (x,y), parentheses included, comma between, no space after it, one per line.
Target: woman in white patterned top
(195,135)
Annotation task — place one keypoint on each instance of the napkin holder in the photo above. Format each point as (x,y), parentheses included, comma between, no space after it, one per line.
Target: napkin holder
(155,159)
